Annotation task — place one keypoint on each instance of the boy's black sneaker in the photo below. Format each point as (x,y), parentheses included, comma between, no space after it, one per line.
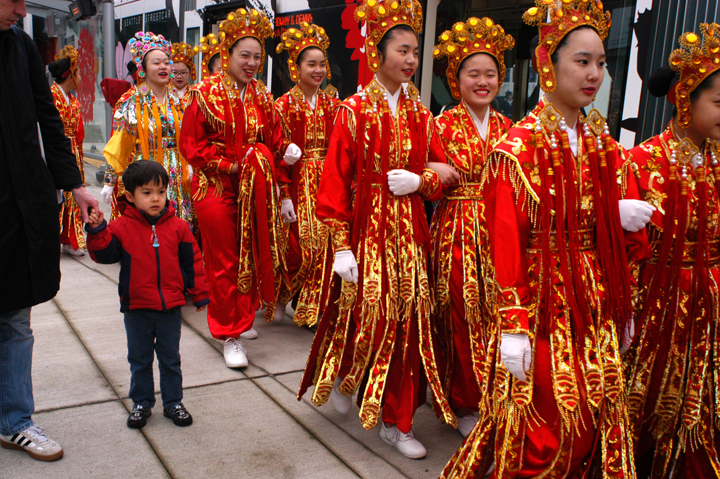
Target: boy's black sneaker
(138,416)
(179,415)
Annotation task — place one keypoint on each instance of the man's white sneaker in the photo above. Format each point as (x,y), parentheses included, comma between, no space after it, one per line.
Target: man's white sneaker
(67,249)
(466,424)
(235,356)
(340,402)
(33,441)
(249,334)
(405,443)
(280,312)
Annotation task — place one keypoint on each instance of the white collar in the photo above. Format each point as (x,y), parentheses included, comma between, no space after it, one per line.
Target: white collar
(65,95)
(242,92)
(481,126)
(392,99)
(181,93)
(572,134)
(312,101)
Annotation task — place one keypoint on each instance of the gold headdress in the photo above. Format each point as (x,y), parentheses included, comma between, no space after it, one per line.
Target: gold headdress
(696,59)
(381,16)
(465,39)
(557,18)
(184,53)
(295,40)
(240,24)
(209,46)
(68,51)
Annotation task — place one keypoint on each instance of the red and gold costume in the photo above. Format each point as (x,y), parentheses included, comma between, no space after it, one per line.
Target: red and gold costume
(238,213)
(71,226)
(674,363)
(376,335)
(309,257)
(460,247)
(563,283)
(184,53)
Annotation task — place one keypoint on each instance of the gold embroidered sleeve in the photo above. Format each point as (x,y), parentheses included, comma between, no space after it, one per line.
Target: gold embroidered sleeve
(430,186)
(340,233)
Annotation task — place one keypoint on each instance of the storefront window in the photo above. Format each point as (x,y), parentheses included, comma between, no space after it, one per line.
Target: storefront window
(86,36)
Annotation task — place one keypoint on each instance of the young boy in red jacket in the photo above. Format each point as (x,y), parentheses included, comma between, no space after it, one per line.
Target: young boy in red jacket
(160,261)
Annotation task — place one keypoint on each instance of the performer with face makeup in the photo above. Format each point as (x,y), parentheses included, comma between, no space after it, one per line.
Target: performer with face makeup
(147,126)
(375,337)
(475,52)
(67,78)
(307,115)
(674,362)
(560,268)
(233,138)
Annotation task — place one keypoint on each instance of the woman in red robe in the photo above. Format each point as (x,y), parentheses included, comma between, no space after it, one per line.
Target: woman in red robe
(561,277)
(232,138)
(67,77)
(307,115)
(375,337)
(674,363)
(467,134)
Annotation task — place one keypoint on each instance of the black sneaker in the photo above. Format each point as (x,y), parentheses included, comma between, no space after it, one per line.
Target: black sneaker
(179,415)
(138,416)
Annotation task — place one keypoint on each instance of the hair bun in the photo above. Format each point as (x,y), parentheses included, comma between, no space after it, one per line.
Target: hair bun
(58,68)
(661,80)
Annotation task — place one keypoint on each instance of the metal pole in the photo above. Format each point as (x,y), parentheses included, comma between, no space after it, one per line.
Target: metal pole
(108,26)
(181,19)
(426,75)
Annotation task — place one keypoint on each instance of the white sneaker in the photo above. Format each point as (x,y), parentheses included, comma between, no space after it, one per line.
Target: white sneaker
(340,402)
(235,356)
(249,334)
(279,312)
(67,249)
(466,424)
(33,441)
(406,444)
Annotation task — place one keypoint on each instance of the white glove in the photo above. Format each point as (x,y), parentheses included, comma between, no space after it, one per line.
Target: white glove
(190,170)
(106,194)
(516,354)
(292,154)
(634,214)
(346,266)
(628,336)
(403,182)
(288,212)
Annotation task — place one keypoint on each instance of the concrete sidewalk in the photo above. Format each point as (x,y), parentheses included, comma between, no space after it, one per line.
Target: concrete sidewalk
(248,423)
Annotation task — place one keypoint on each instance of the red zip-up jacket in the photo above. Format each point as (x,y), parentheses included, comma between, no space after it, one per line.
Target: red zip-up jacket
(157,263)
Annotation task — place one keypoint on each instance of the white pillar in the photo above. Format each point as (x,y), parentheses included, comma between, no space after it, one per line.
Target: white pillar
(428,46)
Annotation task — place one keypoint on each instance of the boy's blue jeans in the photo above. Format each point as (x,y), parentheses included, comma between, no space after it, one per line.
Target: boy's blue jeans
(151,332)
(16,392)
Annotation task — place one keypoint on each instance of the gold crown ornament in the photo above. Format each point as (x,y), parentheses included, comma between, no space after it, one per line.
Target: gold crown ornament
(184,53)
(477,35)
(209,46)
(697,58)
(239,24)
(68,51)
(555,19)
(381,16)
(295,40)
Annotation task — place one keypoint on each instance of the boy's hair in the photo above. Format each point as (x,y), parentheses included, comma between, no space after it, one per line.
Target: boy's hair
(142,172)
